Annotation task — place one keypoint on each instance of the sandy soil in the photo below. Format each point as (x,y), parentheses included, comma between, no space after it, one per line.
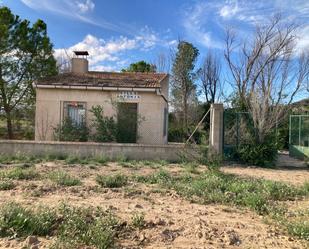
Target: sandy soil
(171,221)
(297,176)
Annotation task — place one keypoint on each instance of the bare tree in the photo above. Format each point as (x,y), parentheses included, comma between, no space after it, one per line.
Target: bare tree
(162,62)
(209,75)
(267,72)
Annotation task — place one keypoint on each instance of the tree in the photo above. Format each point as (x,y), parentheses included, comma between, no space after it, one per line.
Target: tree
(25,55)
(267,72)
(140,66)
(209,75)
(183,86)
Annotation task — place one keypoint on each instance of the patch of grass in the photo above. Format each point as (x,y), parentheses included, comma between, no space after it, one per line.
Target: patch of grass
(160,177)
(191,167)
(138,220)
(85,226)
(19,173)
(74,227)
(112,181)
(217,187)
(64,179)
(16,220)
(6,185)
(103,160)
(299,229)
(19,158)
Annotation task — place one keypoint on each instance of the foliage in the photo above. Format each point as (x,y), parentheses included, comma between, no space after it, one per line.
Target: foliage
(112,181)
(105,127)
(69,131)
(183,88)
(63,179)
(140,66)
(260,154)
(26,54)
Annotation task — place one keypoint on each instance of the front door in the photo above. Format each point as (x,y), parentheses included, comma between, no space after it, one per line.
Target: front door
(127,123)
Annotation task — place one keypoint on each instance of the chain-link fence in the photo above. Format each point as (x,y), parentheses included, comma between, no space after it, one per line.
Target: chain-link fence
(299,136)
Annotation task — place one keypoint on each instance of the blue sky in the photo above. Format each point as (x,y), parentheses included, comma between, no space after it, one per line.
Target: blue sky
(119,32)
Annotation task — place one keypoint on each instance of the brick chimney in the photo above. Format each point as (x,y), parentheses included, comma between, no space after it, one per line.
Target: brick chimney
(80,62)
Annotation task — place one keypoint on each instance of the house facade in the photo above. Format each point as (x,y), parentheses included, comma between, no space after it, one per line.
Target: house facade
(72,95)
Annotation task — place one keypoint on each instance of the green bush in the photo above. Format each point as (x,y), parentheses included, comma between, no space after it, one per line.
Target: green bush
(105,127)
(259,154)
(112,181)
(63,179)
(68,131)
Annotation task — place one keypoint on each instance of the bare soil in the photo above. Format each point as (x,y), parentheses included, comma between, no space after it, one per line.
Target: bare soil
(171,221)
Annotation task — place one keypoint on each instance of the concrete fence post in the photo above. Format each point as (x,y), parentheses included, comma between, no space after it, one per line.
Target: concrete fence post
(216,129)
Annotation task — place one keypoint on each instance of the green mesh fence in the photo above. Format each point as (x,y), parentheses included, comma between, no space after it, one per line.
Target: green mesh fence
(299,136)
(238,129)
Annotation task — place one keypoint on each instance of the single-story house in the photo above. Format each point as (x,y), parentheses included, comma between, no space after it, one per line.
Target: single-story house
(72,95)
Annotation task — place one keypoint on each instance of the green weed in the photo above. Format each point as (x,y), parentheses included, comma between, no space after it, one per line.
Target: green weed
(64,179)
(112,181)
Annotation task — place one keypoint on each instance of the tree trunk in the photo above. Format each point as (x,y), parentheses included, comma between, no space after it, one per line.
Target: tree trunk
(9,124)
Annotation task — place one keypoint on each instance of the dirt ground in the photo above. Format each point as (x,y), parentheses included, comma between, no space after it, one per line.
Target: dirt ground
(171,221)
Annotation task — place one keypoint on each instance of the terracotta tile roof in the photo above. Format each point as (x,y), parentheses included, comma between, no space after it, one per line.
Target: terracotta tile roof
(105,79)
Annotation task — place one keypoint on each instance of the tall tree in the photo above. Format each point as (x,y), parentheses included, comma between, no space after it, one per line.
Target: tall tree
(209,75)
(267,72)
(183,87)
(140,66)
(25,55)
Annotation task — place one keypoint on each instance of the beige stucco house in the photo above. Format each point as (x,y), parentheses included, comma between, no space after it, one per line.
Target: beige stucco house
(73,95)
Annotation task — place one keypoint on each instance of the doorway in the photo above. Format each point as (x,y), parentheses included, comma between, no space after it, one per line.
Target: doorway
(127,123)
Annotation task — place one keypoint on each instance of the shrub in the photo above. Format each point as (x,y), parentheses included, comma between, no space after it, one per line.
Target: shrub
(263,154)
(112,181)
(105,127)
(69,131)
(64,179)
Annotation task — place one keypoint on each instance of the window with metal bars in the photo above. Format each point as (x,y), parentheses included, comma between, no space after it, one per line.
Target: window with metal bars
(75,111)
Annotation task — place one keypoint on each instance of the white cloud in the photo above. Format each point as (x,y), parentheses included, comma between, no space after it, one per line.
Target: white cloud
(99,49)
(194,24)
(85,6)
(78,10)
(229,10)
(113,50)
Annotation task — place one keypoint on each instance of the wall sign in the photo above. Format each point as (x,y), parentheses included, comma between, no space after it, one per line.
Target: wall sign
(128,95)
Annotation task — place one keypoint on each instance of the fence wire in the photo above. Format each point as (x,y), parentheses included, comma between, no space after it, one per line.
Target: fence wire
(299,130)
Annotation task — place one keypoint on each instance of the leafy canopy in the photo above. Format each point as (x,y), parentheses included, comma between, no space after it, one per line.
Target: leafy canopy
(140,66)
(26,54)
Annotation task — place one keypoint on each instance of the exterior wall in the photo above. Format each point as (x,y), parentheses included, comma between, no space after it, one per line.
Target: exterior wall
(49,111)
(169,152)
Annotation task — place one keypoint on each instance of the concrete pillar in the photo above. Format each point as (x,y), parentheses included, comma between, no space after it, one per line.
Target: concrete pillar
(216,129)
